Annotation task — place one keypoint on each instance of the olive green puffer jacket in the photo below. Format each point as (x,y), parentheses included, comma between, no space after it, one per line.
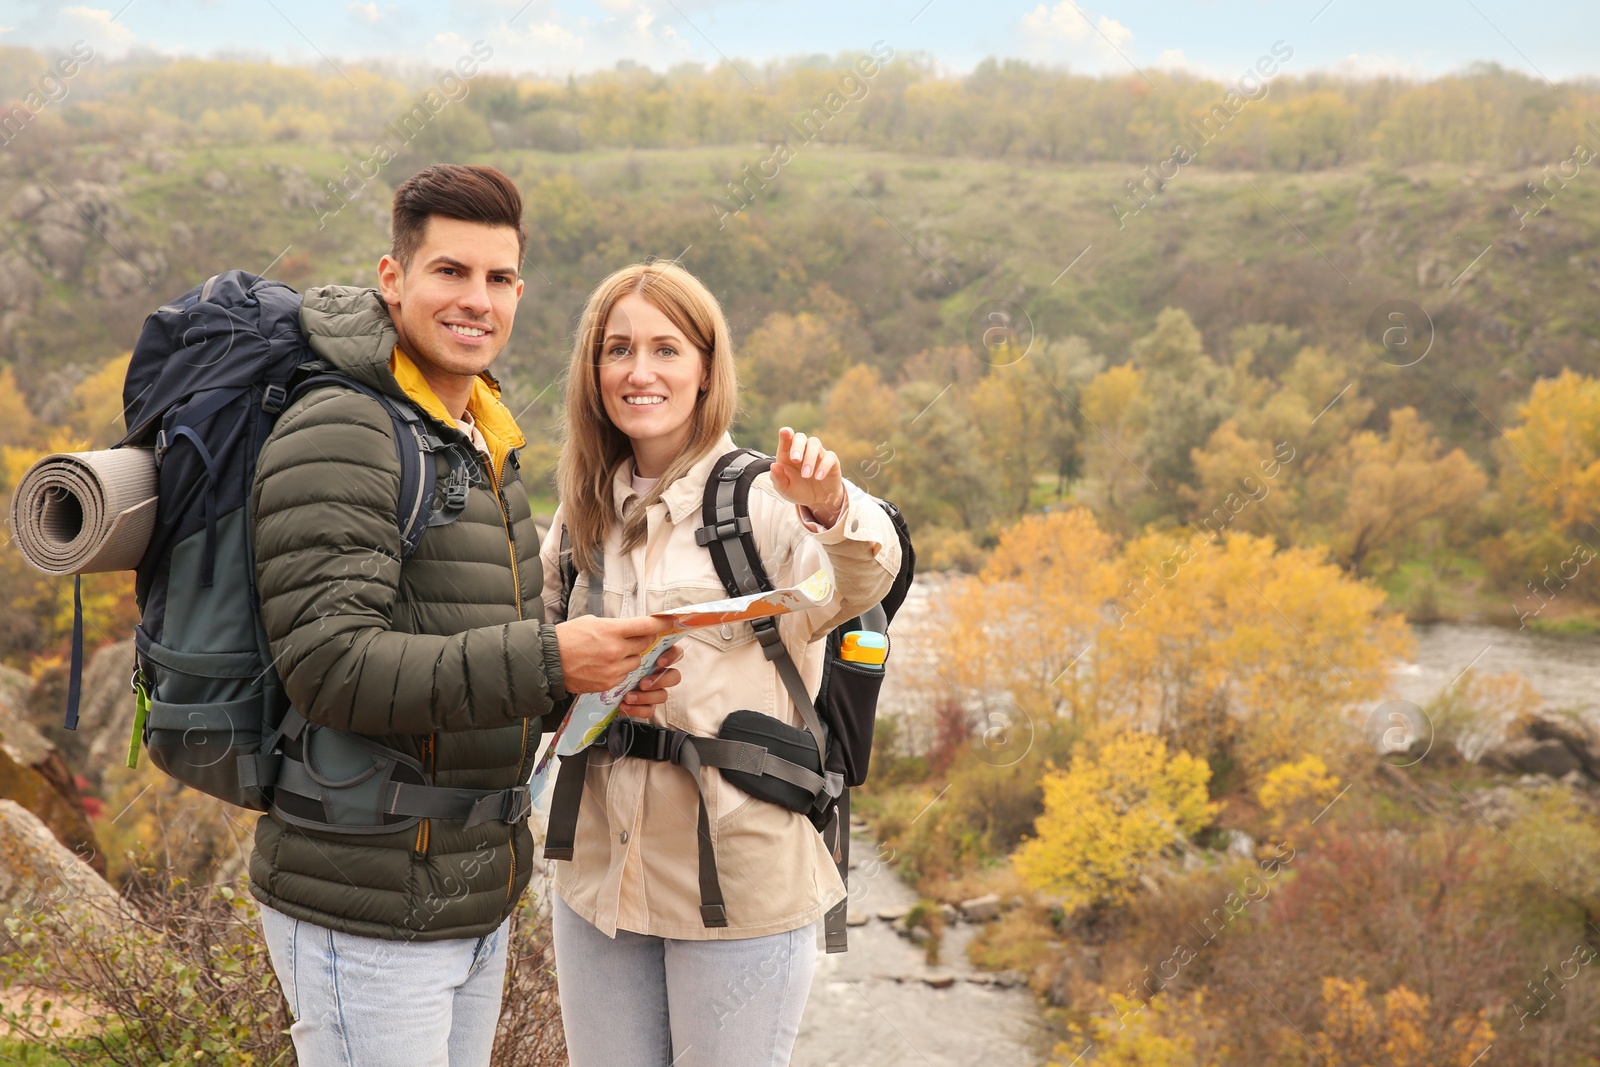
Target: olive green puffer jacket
(445,657)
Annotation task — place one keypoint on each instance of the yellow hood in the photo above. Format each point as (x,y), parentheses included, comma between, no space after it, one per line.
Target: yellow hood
(494,419)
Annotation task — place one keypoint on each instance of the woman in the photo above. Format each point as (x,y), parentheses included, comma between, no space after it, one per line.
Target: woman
(644,982)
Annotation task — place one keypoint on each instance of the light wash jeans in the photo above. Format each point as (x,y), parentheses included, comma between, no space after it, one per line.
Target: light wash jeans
(370,1002)
(638,1001)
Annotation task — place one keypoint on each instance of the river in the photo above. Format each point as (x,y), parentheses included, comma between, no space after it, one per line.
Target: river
(1564,669)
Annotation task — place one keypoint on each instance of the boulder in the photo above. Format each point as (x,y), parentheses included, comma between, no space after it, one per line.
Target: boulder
(105,714)
(893,914)
(1240,844)
(939,980)
(1578,736)
(981,909)
(19,286)
(1526,755)
(29,200)
(856,918)
(37,871)
(33,774)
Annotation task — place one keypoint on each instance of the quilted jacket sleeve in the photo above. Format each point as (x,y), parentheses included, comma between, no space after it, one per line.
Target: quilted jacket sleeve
(327,549)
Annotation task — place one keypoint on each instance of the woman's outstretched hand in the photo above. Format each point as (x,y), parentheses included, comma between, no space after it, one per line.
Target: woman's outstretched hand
(809,475)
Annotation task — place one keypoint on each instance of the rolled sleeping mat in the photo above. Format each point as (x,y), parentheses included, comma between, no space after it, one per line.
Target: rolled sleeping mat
(84,512)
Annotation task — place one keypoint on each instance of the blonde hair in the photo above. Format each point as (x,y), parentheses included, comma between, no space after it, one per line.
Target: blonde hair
(593,448)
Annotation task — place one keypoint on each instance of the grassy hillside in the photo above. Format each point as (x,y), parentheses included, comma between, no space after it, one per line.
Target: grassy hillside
(915,244)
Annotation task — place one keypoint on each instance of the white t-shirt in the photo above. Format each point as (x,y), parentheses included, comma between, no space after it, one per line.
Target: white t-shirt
(469,426)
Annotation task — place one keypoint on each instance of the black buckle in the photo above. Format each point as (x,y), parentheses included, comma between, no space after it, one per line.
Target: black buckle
(722,531)
(713,915)
(767,633)
(643,740)
(161,446)
(456,487)
(273,398)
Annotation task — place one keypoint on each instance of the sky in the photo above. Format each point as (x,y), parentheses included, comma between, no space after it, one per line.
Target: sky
(1554,40)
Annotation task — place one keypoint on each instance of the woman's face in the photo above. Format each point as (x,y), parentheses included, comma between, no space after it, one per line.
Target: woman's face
(650,377)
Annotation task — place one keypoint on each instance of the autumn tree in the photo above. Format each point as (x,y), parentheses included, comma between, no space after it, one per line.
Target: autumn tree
(861,424)
(1234,649)
(1549,492)
(1012,411)
(1024,623)
(1123,800)
(1116,411)
(1379,490)
(1188,398)
(1226,646)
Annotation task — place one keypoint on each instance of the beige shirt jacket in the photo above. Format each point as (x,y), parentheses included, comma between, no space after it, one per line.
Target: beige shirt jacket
(634,860)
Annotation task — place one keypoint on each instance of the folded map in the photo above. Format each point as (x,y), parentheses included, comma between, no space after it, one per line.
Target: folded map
(591,713)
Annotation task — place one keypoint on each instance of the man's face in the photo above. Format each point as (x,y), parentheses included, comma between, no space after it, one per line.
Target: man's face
(454,305)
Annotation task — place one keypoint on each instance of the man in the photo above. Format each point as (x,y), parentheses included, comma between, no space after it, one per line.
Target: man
(391,945)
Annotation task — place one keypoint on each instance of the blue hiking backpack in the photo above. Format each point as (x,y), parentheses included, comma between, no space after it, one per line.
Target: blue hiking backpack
(208,379)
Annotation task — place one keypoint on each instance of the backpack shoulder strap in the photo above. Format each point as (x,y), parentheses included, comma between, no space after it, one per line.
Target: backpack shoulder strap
(413,445)
(569,579)
(727,533)
(725,519)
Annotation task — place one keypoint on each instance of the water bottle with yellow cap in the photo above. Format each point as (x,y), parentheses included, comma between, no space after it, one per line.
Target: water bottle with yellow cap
(869,648)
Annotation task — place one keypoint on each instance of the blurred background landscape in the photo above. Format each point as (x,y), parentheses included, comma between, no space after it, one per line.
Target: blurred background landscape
(1256,494)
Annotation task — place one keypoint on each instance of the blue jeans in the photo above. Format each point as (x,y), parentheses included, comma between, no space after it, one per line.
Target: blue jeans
(370,1002)
(638,1001)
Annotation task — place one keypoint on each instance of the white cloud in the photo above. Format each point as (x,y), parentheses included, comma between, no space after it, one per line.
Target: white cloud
(1099,41)
(1368,65)
(370,13)
(97,28)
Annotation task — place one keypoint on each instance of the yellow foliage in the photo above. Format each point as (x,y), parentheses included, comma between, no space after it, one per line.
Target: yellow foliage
(1396,482)
(860,424)
(1554,455)
(1011,408)
(1404,1033)
(1034,609)
(17,422)
(1162,1033)
(1116,406)
(1236,645)
(1123,801)
(1219,646)
(789,358)
(97,410)
(1294,791)
(148,813)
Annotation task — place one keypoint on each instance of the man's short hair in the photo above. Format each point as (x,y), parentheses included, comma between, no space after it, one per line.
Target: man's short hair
(454,191)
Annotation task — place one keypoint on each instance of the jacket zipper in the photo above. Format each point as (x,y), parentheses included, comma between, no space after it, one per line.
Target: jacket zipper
(516,587)
(427,760)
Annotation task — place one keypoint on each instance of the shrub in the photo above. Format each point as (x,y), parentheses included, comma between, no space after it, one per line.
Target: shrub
(179,973)
(1293,793)
(1403,1032)
(1117,807)
(530,1034)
